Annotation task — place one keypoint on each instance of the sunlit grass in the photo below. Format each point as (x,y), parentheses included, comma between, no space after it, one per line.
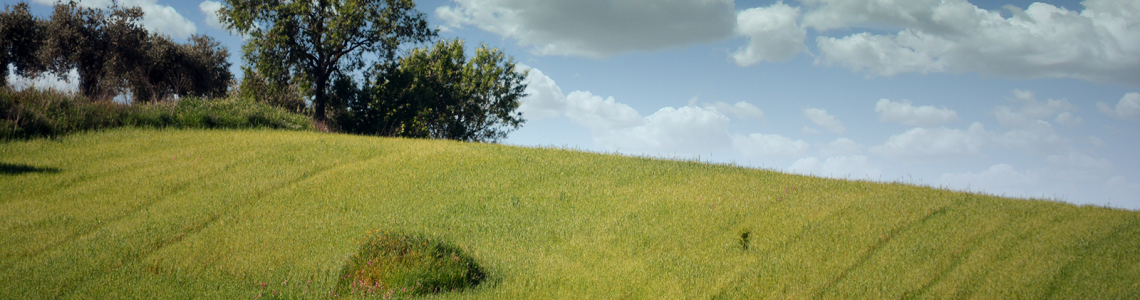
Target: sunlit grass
(269,214)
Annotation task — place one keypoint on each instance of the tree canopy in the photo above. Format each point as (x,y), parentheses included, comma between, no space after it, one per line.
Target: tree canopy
(312,41)
(112,53)
(439,93)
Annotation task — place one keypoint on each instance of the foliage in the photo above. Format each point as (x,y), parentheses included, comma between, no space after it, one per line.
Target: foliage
(20,41)
(219,214)
(112,53)
(279,93)
(102,47)
(196,69)
(439,93)
(391,264)
(34,113)
(308,42)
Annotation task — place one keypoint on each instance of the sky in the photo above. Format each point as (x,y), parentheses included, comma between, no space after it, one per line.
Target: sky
(1014,98)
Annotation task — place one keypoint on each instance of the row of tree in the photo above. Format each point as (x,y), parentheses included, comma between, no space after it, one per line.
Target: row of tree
(347,62)
(111,52)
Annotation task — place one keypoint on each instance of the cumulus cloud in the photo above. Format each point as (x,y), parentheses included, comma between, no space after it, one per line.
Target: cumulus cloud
(685,130)
(772,32)
(210,9)
(1127,108)
(855,166)
(758,145)
(1027,123)
(821,118)
(544,98)
(1100,43)
(161,19)
(617,126)
(934,143)
(905,113)
(596,28)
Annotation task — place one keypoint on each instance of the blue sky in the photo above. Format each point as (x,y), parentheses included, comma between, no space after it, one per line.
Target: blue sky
(1011,98)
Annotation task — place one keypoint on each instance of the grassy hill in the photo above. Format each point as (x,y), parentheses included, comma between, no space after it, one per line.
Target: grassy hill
(268,214)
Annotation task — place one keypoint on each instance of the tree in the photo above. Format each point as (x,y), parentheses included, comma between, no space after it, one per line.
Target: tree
(312,41)
(104,49)
(21,36)
(198,68)
(439,93)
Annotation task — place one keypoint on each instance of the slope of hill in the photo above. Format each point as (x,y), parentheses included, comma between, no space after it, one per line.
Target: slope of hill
(270,214)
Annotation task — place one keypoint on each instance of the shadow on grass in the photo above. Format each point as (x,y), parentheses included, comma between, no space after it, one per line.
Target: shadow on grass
(17,169)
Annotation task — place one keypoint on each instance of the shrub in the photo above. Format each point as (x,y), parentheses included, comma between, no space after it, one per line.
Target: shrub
(32,113)
(397,265)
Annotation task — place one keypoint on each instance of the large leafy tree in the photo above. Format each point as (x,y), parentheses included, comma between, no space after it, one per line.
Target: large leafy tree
(21,36)
(440,93)
(314,40)
(104,48)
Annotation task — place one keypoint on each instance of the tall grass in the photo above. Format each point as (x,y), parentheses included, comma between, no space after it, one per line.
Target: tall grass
(32,113)
(243,214)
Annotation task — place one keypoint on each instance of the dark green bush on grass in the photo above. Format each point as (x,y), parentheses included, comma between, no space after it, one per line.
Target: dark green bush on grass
(398,265)
(32,113)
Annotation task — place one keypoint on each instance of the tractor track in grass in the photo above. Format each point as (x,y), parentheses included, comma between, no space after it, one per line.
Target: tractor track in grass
(876,246)
(104,223)
(197,228)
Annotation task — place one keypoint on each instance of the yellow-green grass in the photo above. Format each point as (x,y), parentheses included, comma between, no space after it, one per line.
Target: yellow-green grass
(183,214)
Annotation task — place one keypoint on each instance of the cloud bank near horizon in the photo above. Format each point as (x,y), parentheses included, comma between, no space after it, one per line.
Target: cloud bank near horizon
(1099,43)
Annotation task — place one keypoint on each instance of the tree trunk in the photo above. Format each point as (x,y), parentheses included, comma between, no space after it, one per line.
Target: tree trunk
(319,99)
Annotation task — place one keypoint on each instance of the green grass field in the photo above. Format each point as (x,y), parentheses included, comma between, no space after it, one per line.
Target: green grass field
(177,214)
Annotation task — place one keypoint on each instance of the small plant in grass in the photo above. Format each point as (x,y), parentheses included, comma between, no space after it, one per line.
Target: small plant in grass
(745,235)
(390,264)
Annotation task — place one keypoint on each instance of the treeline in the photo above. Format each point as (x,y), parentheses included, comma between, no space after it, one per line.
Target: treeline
(338,62)
(112,54)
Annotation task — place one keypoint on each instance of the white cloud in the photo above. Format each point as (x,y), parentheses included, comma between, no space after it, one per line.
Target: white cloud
(758,145)
(841,146)
(883,55)
(934,143)
(1100,43)
(600,114)
(544,98)
(905,113)
(596,28)
(210,9)
(855,166)
(1067,118)
(45,81)
(157,18)
(999,178)
(1127,108)
(772,32)
(743,110)
(822,119)
(685,130)
(162,19)
(617,126)
(1029,130)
